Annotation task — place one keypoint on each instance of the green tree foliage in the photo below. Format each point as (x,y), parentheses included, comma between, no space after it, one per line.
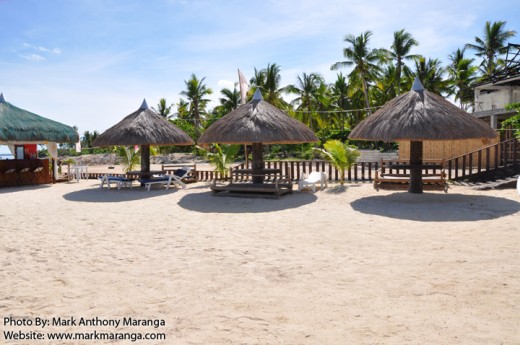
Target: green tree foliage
(491,45)
(222,157)
(514,121)
(341,155)
(195,92)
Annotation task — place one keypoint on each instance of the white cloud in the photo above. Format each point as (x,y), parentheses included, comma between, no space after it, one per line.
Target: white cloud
(32,57)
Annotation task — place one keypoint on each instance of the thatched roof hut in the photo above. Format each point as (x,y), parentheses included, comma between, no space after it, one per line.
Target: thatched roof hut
(420,115)
(143,127)
(416,116)
(21,126)
(256,123)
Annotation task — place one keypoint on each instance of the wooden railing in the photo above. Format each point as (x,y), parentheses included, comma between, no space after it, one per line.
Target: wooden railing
(485,163)
(363,171)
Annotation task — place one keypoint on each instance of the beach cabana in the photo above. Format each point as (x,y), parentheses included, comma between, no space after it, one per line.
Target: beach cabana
(416,116)
(143,127)
(22,130)
(257,123)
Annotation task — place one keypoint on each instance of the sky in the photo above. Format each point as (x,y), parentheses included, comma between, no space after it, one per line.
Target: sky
(89,63)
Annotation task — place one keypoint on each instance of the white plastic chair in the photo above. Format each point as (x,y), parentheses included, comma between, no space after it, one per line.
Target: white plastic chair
(309,181)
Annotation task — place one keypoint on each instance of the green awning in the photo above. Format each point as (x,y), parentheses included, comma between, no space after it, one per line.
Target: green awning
(18,125)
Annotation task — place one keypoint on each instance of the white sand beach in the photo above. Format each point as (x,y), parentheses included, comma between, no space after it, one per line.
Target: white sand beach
(335,267)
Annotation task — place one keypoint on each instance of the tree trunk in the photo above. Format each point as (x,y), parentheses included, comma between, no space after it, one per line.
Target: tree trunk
(416,151)
(257,163)
(145,160)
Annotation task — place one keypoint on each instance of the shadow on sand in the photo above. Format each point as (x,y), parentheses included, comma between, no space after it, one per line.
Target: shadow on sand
(205,202)
(430,207)
(17,189)
(108,196)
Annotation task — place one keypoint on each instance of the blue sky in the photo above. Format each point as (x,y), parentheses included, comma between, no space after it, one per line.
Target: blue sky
(89,63)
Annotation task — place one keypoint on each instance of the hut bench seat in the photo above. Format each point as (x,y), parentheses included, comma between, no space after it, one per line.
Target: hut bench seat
(253,190)
(433,176)
(165,180)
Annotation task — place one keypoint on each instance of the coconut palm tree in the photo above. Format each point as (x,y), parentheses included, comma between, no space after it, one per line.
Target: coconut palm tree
(195,93)
(163,108)
(230,100)
(364,60)
(400,51)
(222,157)
(306,89)
(491,45)
(268,81)
(431,73)
(462,73)
(341,155)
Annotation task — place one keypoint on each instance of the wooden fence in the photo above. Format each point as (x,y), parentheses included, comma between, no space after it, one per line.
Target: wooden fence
(362,171)
(479,166)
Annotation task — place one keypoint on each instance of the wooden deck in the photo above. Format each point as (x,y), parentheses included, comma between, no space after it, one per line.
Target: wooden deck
(253,190)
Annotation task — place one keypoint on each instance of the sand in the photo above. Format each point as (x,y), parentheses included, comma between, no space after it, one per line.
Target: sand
(341,266)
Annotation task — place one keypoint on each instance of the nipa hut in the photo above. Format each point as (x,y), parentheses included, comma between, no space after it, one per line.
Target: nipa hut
(143,127)
(416,116)
(257,123)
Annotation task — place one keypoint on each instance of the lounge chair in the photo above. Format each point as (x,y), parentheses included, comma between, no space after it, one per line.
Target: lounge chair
(179,174)
(309,181)
(120,181)
(165,180)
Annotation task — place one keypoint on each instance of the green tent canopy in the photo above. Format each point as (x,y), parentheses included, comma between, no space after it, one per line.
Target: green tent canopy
(19,125)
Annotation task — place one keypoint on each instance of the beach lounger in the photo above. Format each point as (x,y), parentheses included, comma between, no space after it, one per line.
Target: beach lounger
(179,174)
(165,180)
(118,180)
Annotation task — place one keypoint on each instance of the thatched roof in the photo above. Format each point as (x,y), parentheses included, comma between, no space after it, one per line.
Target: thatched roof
(257,122)
(18,125)
(421,115)
(143,127)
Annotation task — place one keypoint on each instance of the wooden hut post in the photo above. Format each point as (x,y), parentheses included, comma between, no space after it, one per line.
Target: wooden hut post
(258,162)
(416,151)
(145,159)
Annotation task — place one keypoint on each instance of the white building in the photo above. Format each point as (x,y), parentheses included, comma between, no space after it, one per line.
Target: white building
(493,95)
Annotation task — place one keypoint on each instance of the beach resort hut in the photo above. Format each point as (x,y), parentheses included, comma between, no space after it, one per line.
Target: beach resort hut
(416,116)
(257,123)
(21,131)
(143,127)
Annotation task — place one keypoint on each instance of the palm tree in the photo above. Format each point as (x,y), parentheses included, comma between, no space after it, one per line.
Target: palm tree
(341,155)
(431,73)
(400,51)
(339,93)
(223,156)
(130,158)
(195,93)
(493,44)
(163,109)
(462,73)
(364,61)
(268,81)
(307,88)
(230,100)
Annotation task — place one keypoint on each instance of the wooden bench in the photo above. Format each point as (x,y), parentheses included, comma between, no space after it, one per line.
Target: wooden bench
(396,175)
(190,177)
(274,188)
